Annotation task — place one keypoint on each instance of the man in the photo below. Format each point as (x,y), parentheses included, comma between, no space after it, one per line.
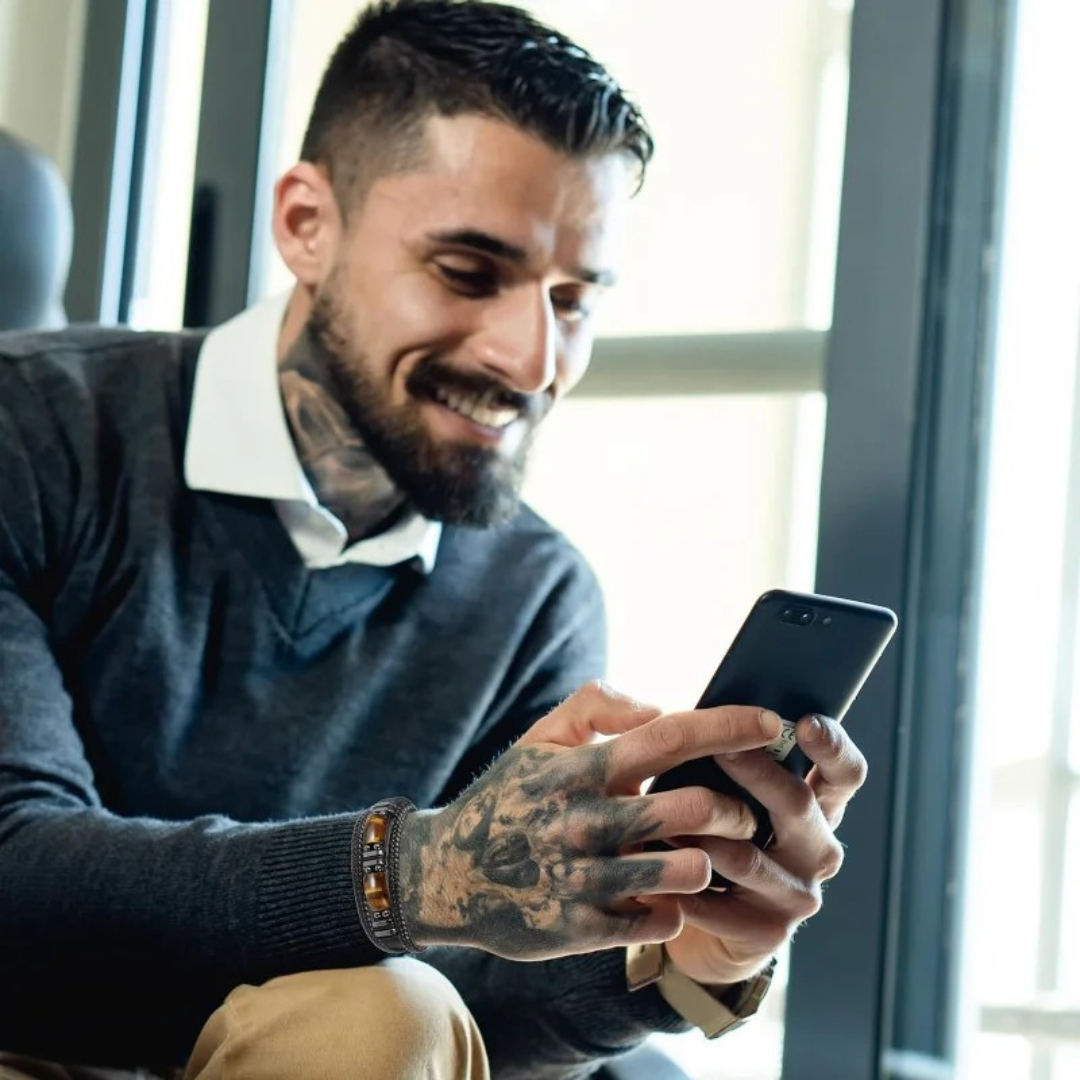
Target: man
(247,611)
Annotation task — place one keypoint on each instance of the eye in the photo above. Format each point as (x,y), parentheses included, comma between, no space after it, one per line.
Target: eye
(468,282)
(572,305)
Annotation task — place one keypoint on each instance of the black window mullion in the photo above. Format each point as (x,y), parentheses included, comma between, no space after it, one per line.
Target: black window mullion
(227,168)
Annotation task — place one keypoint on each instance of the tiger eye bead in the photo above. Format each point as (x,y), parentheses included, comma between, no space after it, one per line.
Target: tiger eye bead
(375,830)
(375,892)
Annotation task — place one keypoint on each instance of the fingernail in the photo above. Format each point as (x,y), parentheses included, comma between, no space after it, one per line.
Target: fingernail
(815,730)
(770,724)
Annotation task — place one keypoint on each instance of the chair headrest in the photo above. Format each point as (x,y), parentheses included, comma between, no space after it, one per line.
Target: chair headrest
(35,238)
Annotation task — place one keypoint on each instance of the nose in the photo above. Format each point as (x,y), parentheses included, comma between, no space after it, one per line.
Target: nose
(519,339)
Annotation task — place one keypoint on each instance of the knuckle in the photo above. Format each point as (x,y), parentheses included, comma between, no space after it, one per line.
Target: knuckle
(745,822)
(671,739)
(747,861)
(698,809)
(727,725)
(595,690)
(859,767)
(831,861)
(807,902)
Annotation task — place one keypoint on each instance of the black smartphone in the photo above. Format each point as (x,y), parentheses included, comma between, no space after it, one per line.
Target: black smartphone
(796,653)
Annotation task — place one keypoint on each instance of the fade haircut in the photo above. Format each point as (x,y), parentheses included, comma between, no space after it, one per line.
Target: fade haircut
(405,61)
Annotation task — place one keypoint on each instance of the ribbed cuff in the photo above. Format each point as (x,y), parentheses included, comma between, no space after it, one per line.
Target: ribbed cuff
(307,907)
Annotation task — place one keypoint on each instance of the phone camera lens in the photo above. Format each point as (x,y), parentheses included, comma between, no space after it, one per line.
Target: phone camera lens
(806,617)
(798,616)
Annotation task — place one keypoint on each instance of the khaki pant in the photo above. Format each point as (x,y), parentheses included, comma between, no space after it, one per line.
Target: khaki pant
(399,1020)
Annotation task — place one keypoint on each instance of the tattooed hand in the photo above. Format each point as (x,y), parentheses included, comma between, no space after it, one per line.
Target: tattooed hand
(541,856)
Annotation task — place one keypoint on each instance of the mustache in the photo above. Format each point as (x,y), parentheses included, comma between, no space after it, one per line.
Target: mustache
(433,374)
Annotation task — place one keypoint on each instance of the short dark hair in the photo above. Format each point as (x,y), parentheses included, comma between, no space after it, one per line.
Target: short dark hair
(404,61)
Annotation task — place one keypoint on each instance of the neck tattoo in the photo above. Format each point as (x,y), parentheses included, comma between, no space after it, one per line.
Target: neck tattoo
(346,478)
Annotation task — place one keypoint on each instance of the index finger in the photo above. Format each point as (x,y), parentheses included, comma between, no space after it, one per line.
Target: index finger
(673,738)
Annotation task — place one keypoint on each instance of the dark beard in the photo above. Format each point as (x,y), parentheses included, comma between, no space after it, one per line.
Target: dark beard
(458,484)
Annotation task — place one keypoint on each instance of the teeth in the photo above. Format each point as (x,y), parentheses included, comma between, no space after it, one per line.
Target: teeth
(479,410)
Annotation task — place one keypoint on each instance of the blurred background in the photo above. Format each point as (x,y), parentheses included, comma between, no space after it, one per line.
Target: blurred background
(844,357)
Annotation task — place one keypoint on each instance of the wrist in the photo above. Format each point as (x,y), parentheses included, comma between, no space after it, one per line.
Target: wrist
(715,1009)
(416,835)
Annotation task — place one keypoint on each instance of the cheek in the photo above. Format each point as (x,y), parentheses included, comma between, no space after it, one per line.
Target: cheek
(574,362)
(415,317)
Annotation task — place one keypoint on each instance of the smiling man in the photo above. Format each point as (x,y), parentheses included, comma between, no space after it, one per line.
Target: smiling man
(299,761)
(439,319)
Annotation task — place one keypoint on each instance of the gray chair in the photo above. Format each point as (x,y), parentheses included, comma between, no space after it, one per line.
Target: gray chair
(35,238)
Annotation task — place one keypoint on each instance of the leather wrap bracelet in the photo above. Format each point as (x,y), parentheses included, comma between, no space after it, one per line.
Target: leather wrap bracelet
(376,875)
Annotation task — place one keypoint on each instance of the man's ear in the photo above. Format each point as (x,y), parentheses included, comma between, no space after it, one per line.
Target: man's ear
(307,224)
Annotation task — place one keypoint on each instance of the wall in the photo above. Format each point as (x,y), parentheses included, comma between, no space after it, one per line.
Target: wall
(40,71)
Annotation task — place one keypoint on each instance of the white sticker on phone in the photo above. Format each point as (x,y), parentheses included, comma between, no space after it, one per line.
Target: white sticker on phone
(784,742)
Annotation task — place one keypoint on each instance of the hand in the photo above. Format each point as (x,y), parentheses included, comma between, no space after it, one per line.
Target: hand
(730,936)
(539,857)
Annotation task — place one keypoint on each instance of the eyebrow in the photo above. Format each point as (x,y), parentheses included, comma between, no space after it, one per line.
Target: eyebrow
(479,240)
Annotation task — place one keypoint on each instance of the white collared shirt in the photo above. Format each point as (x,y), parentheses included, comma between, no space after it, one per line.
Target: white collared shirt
(239,443)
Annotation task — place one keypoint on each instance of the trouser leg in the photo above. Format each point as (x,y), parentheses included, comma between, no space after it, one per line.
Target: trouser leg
(398,1020)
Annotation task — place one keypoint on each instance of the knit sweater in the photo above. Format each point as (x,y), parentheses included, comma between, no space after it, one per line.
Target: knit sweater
(190,721)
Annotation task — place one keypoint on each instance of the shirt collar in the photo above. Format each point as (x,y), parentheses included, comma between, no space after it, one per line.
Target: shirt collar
(239,443)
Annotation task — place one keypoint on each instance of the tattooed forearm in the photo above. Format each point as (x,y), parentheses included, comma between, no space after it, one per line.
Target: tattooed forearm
(526,862)
(344,474)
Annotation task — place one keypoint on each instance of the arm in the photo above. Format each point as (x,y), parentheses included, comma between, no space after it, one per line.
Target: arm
(119,935)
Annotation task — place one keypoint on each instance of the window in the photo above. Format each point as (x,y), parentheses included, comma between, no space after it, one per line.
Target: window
(1021,979)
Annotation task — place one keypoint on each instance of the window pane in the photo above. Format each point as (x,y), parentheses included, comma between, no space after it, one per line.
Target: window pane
(1001,1055)
(157,299)
(736,227)
(1024,883)
(688,510)
(1069,981)
(1067,1063)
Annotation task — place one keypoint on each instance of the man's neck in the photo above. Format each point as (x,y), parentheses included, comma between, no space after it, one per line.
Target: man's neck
(346,478)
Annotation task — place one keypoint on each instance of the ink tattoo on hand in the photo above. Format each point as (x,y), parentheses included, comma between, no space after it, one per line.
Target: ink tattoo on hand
(525,863)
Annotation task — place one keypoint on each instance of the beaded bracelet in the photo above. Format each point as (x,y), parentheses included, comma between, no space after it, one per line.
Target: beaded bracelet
(376,841)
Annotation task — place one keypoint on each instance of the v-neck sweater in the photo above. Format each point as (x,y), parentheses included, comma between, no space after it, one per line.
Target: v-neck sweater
(191,720)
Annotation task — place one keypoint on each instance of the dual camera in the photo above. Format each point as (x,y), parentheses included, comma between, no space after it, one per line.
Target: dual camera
(800,616)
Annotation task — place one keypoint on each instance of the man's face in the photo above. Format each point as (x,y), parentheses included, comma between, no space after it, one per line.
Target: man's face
(459,308)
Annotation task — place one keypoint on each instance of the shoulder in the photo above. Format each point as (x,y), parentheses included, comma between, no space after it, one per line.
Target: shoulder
(96,356)
(85,378)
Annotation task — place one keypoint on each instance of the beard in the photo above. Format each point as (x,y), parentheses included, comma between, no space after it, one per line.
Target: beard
(456,483)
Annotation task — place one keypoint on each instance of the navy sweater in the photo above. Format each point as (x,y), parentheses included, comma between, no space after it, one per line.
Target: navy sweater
(190,720)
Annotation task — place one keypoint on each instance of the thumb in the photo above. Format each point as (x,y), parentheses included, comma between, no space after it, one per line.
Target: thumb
(595,709)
